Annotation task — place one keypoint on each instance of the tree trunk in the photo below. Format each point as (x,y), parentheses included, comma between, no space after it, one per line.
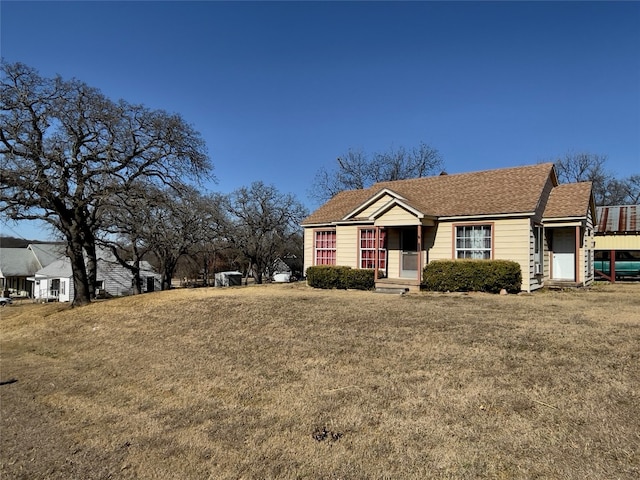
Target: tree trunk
(82,295)
(91,265)
(137,280)
(257,273)
(166,279)
(167,272)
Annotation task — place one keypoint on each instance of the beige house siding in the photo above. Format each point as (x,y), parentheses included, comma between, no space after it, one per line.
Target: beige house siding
(510,236)
(308,247)
(347,245)
(375,206)
(397,216)
(393,253)
(617,242)
(441,239)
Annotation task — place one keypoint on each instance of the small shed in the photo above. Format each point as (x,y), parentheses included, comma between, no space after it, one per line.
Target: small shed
(228,279)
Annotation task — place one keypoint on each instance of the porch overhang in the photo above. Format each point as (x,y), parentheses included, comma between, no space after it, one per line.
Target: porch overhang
(564,222)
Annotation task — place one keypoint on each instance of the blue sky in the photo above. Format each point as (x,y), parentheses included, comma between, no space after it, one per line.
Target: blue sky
(280,89)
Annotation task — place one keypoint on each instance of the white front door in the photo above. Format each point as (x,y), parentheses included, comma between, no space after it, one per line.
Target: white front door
(564,254)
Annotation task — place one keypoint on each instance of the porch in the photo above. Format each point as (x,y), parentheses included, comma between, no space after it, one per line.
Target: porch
(401,257)
(570,263)
(46,296)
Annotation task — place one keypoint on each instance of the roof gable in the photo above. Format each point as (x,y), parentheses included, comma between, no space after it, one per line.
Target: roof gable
(396,202)
(47,253)
(380,195)
(58,268)
(570,200)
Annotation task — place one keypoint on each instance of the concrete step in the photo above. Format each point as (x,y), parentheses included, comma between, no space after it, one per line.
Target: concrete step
(392,290)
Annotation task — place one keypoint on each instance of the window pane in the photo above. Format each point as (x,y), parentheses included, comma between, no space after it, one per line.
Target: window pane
(368,249)
(473,241)
(325,251)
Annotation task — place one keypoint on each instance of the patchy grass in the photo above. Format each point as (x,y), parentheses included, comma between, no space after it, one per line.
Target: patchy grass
(284,381)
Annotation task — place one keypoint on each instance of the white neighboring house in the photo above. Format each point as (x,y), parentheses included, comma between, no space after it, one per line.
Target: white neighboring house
(18,265)
(55,281)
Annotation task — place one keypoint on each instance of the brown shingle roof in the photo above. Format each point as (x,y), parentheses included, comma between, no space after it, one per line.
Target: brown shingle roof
(502,191)
(569,200)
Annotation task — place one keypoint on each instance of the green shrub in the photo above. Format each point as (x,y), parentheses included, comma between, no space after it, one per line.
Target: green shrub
(472,276)
(330,276)
(361,279)
(327,276)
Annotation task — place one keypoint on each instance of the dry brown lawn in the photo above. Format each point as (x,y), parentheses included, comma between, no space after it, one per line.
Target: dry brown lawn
(285,381)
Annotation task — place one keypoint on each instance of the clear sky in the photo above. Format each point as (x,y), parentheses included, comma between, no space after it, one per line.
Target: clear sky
(278,90)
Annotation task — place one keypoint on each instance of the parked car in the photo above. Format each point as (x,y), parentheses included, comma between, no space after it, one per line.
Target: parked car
(5,301)
(627,263)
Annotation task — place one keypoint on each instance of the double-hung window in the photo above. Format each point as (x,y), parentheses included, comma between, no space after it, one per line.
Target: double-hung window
(325,247)
(368,249)
(473,241)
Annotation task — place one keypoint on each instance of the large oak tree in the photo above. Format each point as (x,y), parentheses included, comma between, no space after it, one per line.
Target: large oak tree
(65,148)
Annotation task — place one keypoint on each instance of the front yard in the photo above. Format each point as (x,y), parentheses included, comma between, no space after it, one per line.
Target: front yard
(284,381)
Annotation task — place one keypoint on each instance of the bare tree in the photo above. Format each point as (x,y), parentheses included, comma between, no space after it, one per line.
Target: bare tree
(176,226)
(125,226)
(585,167)
(633,189)
(65,148)
(260,221)
(624,191)
(590,167)
(355,170)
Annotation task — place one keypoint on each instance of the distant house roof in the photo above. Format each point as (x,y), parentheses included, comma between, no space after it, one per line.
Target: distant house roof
(17,262)
(46,253)
(568,200)
(618,219)
(57,269)
(489,192)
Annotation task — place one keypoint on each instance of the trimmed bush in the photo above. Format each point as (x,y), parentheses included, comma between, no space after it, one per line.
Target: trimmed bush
(326,276)
(472,276)
(361,279)
(330,276)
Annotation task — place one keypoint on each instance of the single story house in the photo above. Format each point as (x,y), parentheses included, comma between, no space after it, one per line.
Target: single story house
(18,264)
(521,214)
(55,281)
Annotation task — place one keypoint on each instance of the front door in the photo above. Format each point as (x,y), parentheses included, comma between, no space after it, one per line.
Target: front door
(409,253)
(564,254)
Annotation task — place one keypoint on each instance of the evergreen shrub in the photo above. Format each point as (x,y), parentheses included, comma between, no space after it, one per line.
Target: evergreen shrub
(331,276)
(472,276)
